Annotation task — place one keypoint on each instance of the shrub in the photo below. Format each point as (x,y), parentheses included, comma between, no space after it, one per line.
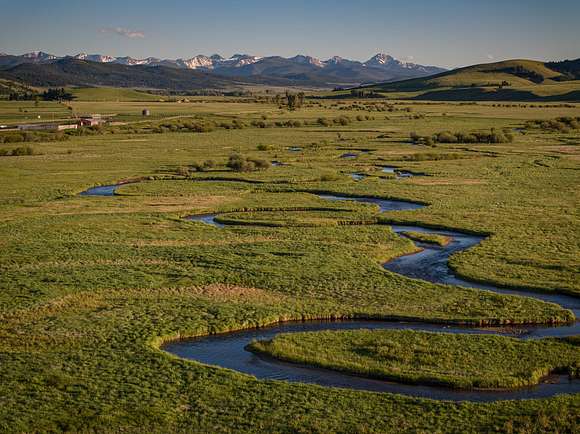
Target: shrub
(428,141)
(446,137)
(13,138)
(235,162)
(209,164)
(431,156)
(342,120)
(33,136)
(237,124)
(264,147)
(204,128)
(494,136)
(240,163)
(202,167)
(183,171)
(561,124)
(323,121)
(17,152)
(260,164)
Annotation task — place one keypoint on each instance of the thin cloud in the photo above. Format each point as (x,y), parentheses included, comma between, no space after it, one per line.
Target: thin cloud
(127,33)
(490,56)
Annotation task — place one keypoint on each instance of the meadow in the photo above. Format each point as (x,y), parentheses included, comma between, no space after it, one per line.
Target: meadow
(452,360)
(91,286)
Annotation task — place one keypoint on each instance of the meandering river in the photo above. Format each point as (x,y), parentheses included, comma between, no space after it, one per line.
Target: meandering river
(432,264)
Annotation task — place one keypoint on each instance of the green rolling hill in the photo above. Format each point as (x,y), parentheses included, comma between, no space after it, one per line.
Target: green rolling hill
(511,80)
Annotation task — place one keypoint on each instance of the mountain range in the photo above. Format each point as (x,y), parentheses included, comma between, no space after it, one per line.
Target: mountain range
(300,69)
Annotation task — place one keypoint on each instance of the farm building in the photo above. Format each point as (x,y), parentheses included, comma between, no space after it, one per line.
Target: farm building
(67,127)
(92,120)
(47,127)
(36,127)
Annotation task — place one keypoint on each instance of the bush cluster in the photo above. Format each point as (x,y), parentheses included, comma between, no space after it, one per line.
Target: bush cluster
(16,152)
(519,105)
(561,124)
(234,125)
(264,147)
(493,136)
(288,124)
(194,127)
(374,106)
(33,136)
(239,163)
(341,120)
(202,167)
(432,156)
(94,130)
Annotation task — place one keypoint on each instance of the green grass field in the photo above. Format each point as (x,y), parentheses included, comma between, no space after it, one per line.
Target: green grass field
(110,94)
(92,285)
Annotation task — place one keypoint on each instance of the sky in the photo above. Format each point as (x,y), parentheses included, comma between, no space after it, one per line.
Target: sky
(446,33)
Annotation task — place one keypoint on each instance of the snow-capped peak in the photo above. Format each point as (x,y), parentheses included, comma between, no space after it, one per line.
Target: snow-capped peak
(238,60)
(335,60)
(39,56)
(196,62)
(300,58)
(94,57)
(381,59)
(379,67)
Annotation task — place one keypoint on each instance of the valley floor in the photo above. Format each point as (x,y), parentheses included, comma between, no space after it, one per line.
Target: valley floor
(92,286)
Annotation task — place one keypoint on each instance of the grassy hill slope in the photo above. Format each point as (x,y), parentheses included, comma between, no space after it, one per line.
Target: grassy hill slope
(111,94)
(511,80)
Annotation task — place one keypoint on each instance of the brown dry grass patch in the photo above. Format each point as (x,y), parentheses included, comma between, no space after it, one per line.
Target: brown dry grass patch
(91,300)
(130,204)
(216,292)
(107,262)
(225,291)
(444,181)
(185,243)
(562,149)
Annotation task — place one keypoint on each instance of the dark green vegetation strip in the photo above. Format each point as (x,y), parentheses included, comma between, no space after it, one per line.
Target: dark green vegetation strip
(454,360)
(89,285)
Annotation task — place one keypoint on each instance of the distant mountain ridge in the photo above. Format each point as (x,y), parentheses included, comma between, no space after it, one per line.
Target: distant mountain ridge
(302,68)
(83,73)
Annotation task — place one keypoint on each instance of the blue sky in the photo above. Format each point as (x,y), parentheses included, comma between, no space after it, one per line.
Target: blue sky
(440,32)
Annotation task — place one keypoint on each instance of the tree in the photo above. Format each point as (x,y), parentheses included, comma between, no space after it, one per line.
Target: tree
(294,101)
(57,95)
